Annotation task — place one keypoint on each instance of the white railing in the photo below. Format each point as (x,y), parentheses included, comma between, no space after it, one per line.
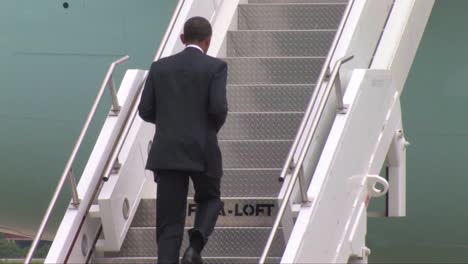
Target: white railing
(68,171)
(333,228)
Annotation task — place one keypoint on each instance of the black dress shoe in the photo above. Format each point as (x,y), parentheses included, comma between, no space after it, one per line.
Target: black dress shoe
(191,256)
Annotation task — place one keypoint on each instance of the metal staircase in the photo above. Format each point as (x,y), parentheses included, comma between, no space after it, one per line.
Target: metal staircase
(274,57)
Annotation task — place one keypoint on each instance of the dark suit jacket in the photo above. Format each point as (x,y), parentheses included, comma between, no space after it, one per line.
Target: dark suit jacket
(185,96)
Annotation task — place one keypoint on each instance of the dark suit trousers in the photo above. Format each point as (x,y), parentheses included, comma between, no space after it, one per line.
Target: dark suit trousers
(171,208)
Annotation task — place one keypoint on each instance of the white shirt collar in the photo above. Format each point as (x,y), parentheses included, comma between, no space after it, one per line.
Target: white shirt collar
(195,46)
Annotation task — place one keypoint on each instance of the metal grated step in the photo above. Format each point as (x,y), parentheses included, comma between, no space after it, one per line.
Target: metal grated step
(247,71)
(268,98)
(223,243)
(261,126)
(302,43)
(250,183)
(290,16)
(239,183)
(206,260)
(239,212)
(254,154)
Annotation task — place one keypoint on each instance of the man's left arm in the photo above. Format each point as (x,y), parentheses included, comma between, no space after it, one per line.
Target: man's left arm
(147,106)
(218,105)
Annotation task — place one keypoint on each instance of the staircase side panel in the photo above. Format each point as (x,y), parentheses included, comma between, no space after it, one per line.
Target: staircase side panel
(340,173)
(359,38)
(396,52)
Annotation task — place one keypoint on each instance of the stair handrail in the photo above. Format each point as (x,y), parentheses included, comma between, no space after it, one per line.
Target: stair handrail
(295,167)
(68,171)
(118,144)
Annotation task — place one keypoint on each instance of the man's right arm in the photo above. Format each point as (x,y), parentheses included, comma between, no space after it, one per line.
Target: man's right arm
(147,106)
(218,106)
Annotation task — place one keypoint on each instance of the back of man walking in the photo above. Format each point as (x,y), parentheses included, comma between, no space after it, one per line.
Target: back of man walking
(185,97)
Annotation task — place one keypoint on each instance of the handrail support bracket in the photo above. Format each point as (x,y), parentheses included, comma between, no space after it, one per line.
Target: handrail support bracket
(305,199)
(116,167)
(75,199)
(342,107)
(115,110)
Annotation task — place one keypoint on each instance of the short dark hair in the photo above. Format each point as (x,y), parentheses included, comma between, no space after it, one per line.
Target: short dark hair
(197,29)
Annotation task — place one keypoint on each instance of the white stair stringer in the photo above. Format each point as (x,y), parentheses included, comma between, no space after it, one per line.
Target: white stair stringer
(333,228)
(338,186)
(398,56)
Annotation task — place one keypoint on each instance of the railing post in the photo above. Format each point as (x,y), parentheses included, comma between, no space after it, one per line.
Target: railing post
(116,167)
(302,186)
(74,191)
(328,73)
(115,101)
(342,108)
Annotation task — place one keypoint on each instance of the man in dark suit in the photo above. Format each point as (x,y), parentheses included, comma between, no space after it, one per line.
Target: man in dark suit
(185,97)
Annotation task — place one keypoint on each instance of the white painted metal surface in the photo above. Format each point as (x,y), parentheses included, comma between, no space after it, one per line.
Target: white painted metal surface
(333,229)
(363,30)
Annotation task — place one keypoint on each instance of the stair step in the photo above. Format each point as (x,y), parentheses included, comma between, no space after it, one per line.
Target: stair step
(206,260)
(245,154)
(268,98)
(223,243)
(250,183)
(275,43)
(238,212)
(290,16)
(300,70)
(261,126)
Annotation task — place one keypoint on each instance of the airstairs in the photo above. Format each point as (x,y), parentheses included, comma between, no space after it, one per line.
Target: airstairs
(274,58)
(315,83)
